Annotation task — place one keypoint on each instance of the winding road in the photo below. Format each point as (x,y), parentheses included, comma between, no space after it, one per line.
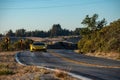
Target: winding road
(78,64)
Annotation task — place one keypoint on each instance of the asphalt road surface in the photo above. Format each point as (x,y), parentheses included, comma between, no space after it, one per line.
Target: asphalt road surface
(90,67)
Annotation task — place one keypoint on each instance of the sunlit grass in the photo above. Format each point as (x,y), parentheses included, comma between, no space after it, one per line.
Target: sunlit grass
(10,69)
(5,71)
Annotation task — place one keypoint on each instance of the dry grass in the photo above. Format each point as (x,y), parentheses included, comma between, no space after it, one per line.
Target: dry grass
(111,55)
(62,75)
(11,70)
(7,62)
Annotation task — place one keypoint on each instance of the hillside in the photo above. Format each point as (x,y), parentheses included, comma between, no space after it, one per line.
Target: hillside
(106,40)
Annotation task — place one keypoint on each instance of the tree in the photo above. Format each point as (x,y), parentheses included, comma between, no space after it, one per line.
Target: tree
(105,40)
(56,30)
(1,35)
(66,32)
(92,22)
(101,23)
(28,34)
(20,33)
(77,31)
(10,33)
(85,31)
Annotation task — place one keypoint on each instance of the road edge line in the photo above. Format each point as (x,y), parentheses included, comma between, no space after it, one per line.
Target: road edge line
(16,58)
(71,74)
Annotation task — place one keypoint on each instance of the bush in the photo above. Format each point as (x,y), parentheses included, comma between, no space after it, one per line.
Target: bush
(16,45)
(3,45)
(104,40)
(24,45)
(6,71)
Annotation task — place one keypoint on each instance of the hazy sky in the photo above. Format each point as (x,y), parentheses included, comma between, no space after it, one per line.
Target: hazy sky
(42,14)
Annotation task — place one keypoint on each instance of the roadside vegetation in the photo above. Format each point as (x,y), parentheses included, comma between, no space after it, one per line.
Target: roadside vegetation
(7,44)
(4,70)
(97,39)
(11,70)
(55,31)
(105,40)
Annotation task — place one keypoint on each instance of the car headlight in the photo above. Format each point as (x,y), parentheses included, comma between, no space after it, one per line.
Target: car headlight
(33,47)
(44,47)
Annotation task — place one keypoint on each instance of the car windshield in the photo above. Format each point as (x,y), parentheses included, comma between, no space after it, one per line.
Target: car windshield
(38,43)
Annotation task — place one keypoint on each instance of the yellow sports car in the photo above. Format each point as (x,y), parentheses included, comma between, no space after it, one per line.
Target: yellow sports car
(38,46)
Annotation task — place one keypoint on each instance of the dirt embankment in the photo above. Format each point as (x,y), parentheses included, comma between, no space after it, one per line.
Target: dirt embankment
(110,55)
(11,70)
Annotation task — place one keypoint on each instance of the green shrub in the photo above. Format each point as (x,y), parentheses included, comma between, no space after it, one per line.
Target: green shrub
(104,40)
(3,46)
(5,71)
(24,45)
(16,45)
(27,43)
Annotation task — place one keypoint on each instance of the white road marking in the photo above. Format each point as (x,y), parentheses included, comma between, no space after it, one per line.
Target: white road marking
(71,74)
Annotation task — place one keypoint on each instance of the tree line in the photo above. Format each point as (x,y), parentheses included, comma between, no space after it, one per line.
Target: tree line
(54,32)
(91,23)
